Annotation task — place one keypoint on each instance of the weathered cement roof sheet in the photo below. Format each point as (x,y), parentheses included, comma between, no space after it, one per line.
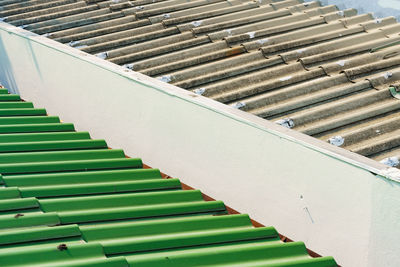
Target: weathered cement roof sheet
(316,69)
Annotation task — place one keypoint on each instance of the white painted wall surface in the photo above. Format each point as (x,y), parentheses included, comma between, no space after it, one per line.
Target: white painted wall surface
(307,189)
(380,8)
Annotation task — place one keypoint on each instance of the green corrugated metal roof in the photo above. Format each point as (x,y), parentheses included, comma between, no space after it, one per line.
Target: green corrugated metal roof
(67,200)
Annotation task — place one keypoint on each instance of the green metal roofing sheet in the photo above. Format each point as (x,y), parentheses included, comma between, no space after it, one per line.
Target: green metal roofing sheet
(68,200)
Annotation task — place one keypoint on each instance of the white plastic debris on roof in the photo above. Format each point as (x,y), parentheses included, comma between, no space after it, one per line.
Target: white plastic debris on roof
(251,34)
(391,161)
(287,122)
(262,41)
(129,66)
(301,50)
(197,23)
(102,55)
(73,43)
(387,75)
(239,105)
(165,78)
(229,31)
(336,140)
(199,91)
(286,78)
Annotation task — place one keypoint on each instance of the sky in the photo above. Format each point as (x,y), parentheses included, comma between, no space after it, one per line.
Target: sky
(380,8)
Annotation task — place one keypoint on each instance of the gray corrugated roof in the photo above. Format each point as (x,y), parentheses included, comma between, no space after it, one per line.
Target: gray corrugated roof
(316,69)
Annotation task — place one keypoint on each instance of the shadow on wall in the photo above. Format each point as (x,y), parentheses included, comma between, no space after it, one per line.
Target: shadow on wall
(6,72)
(380,8)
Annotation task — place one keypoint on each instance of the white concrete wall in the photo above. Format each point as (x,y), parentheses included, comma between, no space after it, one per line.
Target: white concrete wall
(307,189)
